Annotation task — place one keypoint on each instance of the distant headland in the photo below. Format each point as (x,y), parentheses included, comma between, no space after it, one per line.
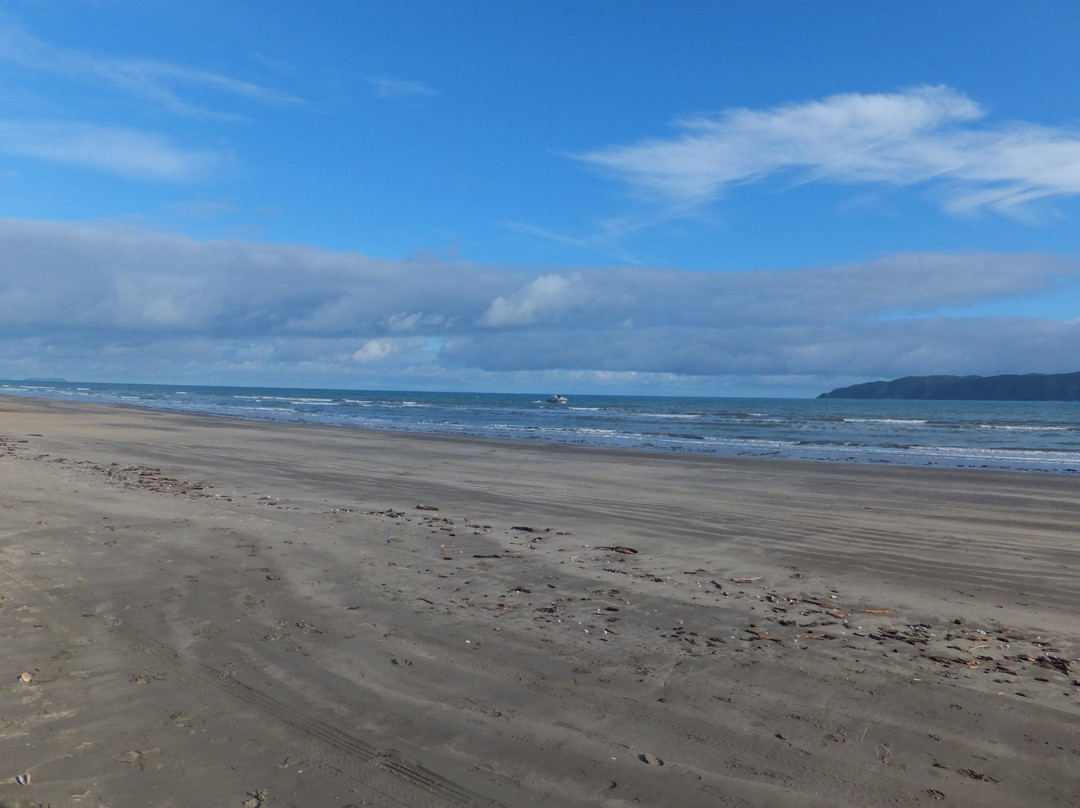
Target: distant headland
(1027,387)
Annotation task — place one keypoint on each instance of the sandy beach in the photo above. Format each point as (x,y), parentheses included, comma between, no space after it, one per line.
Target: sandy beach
(203,611)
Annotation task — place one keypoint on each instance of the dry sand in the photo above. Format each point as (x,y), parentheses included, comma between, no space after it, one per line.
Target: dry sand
(214,612)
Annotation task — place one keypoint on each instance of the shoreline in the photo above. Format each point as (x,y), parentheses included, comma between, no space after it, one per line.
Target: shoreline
(248,612)
(787,430)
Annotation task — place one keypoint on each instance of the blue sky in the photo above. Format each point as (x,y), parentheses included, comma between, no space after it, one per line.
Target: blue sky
(760,198)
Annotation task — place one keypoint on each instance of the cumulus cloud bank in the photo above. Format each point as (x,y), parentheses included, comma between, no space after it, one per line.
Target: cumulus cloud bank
(116,303)
(922,135)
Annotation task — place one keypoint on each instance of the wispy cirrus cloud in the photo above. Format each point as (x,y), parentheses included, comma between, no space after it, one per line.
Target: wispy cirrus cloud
(167,85)
(129,151)
(116,150)
(925,135)
(397,88)
(607,238)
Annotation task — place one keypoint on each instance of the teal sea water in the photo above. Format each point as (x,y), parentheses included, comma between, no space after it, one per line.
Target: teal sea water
(1023,436)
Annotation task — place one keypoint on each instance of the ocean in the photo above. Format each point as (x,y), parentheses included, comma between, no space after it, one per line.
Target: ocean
(1002,435)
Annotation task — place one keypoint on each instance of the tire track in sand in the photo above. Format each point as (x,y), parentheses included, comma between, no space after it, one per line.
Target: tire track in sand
(335,750)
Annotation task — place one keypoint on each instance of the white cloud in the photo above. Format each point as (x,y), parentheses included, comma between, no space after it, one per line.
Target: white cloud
(119,303)
(115,150)
(922,135)
(382,349)
(547,295)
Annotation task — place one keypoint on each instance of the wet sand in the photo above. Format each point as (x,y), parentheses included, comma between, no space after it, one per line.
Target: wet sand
(214,612)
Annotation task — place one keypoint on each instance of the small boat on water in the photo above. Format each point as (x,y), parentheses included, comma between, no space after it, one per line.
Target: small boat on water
(557,399)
